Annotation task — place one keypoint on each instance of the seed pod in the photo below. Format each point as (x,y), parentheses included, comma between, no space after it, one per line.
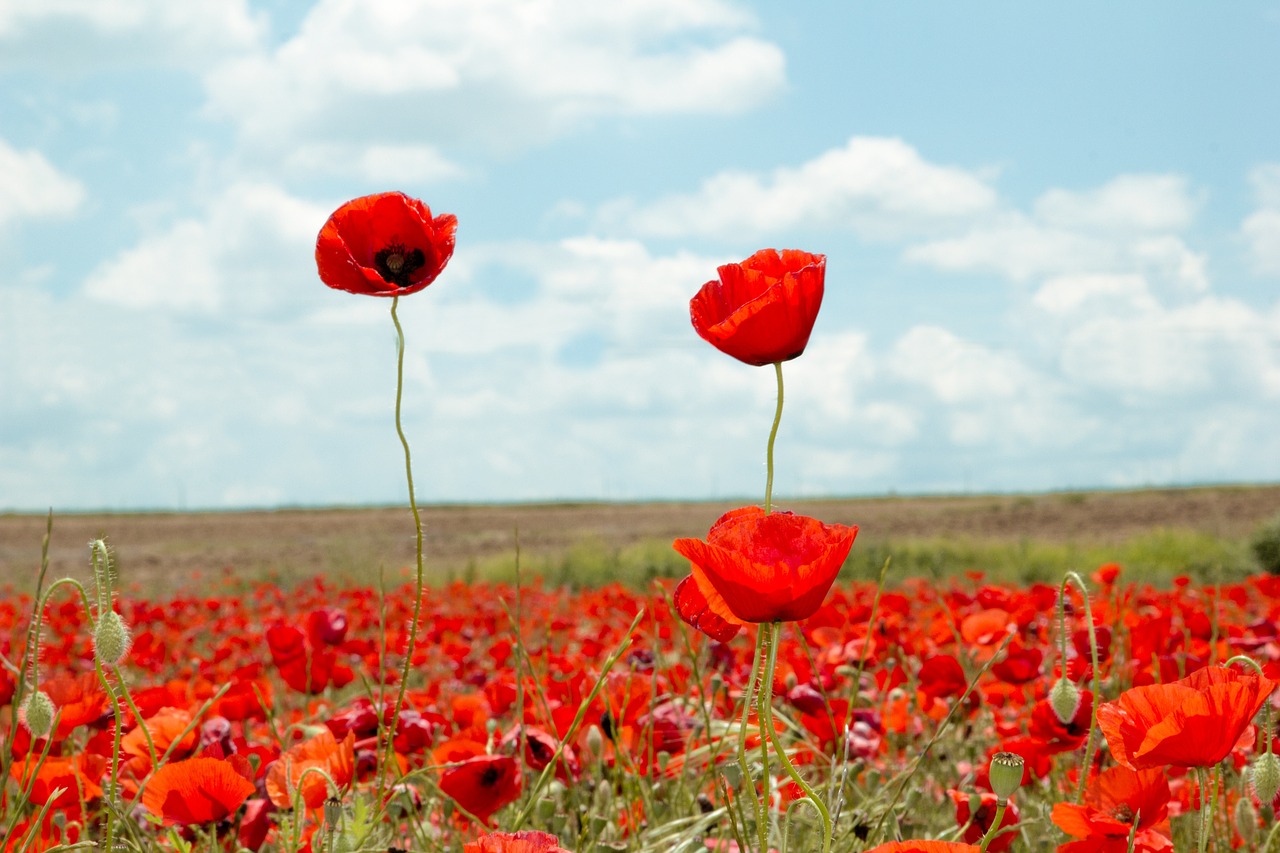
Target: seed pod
(1006,774)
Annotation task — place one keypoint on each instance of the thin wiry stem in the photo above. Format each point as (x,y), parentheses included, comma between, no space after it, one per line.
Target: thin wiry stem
(773,434)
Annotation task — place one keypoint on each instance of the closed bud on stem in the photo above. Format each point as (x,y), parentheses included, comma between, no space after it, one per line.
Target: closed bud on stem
(1265,777)
(1064,698)
(1005,774)
(1246,820)
(111,639)
(38,714)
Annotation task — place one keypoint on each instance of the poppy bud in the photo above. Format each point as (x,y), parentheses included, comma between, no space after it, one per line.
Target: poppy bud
(1246,820)
(1005,774)
(111,638)
(1064,698)
(38,716)
(595,741)
(1265,776)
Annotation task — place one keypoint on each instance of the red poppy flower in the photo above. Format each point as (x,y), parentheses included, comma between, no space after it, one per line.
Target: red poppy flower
(324,751)
(924,847)
(484,784)
(1111,803)
(762,310)
(979,823)
(528,841)
(766,567)
(198,790)
(1194,722)
(384,245)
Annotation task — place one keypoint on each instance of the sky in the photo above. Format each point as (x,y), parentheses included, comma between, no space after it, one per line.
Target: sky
(1052,232)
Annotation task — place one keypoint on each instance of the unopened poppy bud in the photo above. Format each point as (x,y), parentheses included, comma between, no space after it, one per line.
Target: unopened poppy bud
(38,714)
(1064,698)
(111,638)
(595,740)
(1005,774)
(1265,777)
(1246,820)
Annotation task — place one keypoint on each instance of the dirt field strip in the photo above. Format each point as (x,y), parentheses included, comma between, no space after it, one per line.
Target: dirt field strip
(176,549)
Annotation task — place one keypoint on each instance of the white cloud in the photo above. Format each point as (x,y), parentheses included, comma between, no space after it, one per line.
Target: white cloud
(81,35)
(956,370)
(1261,230)
(375,164)
(32,187)
(876,186)
(251,254)
(1016,247)
(491,72)
(1099,292)
(1126,203)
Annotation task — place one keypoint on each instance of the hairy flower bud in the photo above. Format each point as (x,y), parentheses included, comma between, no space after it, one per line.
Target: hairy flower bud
(1246,820)
(111,638)
(1265,777)
(1064,698)
(38,714)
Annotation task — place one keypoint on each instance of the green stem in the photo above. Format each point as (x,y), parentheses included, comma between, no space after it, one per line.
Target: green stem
(766,718)
(1206,811)
(743,766)
(1001,805)
(773,434)
(388,755)
(1091,741)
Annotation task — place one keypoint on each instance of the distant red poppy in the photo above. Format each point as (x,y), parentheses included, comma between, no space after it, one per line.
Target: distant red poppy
(924,847)
(528,841)
(762,310)
(386,244)
(767,567)
(198,790)
(1194,722)
(484,784)
(1112,802)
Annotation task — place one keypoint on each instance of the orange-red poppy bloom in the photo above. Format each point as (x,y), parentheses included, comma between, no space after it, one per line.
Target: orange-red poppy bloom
(528,841)
(323,752)
(483,784)
(1194,722)
(924,847)
(765,567)
(384,245)
(198,790)
(978,823)
(762,310)
(1112,802)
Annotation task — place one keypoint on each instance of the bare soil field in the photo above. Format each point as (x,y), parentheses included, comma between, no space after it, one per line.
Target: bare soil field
(164,551)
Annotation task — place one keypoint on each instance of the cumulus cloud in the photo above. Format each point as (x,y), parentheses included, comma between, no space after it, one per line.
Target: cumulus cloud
(32,187)
(491,72)
(80,35)
(876,186)
(1261,230)
(1126,203)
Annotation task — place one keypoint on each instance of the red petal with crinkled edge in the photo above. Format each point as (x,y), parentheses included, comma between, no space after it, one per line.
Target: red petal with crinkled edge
(349,243)
(695,609)
(198,790)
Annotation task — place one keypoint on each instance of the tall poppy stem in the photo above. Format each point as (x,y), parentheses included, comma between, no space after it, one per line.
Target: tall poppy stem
(773,434)
(417,525)
(1093,659)
(766,722)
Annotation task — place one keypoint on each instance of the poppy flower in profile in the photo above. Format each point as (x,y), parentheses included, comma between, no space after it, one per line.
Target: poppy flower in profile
(765,567)
(1194,722)
(762,310)
(325,752)
(198,790)
(386,244)
(483,784)
(527,841)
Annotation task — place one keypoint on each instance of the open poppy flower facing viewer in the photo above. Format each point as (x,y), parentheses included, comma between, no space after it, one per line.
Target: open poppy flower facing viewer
(761,567)
(762,310)
(386,244)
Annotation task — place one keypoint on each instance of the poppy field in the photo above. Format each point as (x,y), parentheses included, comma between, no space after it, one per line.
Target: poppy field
(757,703)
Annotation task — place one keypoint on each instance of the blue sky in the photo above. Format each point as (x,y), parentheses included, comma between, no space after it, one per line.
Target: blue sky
(1053,239)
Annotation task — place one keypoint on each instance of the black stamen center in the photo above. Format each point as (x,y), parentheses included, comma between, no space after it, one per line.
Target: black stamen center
(395,263)
(489,777)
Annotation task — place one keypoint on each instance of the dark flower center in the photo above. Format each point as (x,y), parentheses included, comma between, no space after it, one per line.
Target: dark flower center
(489,777)
(395,263)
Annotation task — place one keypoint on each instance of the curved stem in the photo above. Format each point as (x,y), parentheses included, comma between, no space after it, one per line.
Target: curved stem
(1091,741)
(1001,805)
(417,526)
(766,717)
(773,434)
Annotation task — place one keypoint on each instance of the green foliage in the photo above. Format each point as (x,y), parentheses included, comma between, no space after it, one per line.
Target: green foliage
(1266,546)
